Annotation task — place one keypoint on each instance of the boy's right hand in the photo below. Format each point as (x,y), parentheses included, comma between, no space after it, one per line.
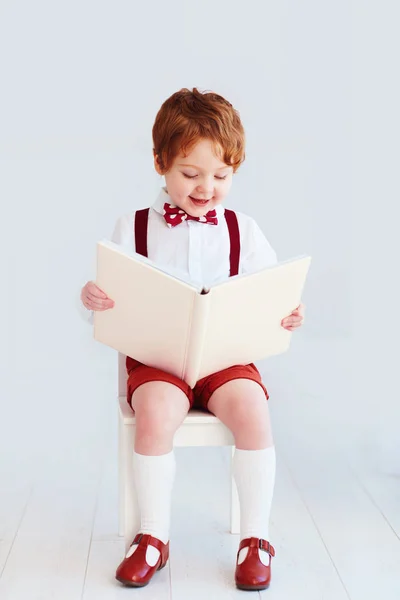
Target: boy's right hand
(94,298)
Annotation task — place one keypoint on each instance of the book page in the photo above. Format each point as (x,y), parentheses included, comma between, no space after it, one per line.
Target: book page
(244,320)
(151,318)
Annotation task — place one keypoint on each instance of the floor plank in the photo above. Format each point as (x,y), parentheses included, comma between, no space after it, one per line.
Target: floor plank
(202,566)
(363,547)
(384,492)
(15,492)
(49,555)
(106,518)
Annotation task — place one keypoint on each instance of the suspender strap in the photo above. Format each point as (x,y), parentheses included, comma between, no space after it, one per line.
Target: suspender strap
(141,220)
(140,232)
(233,227)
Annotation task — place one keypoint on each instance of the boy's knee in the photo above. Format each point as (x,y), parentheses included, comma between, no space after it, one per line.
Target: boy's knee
(161,409)
(251,424)
(251,410)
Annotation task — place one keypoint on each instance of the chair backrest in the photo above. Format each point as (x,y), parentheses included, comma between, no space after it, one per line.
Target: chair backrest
(122,374)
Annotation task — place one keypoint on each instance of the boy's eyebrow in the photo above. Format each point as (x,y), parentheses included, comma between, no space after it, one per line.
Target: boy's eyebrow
(194,166)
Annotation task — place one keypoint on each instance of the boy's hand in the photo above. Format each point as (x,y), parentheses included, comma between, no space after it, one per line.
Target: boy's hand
(295,319)
(94,298)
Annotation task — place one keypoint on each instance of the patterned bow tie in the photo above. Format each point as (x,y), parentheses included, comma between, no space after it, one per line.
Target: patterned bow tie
(175,215)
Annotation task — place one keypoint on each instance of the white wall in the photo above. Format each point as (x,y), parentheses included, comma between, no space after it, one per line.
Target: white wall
(81,85)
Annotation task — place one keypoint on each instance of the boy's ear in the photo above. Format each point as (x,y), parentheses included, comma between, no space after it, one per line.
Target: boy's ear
(156,165)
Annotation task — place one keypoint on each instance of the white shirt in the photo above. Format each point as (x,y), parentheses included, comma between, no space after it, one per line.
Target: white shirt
(197,251)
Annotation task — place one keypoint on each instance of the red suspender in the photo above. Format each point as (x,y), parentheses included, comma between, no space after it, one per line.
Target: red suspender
(140,233)
(141,221)
(233,226)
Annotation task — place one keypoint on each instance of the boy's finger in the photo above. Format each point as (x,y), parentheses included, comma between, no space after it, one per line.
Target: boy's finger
(96,291)
(101,305)
(98,302)
(97,294)
(293,322)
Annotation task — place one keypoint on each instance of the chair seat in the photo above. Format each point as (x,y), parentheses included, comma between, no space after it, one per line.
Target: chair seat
(198,429)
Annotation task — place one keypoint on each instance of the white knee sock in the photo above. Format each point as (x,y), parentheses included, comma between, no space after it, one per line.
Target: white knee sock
(254,473)
(154,478)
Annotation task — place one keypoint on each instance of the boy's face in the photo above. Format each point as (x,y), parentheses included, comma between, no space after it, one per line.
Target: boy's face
(201,175)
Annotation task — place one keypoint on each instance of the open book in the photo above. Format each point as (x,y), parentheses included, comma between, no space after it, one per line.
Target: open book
(166,322)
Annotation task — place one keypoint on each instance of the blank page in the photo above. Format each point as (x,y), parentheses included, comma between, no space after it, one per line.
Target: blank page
(151,318)
(244,323)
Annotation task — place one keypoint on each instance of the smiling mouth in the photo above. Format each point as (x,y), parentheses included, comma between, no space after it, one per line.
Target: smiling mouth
(200,200)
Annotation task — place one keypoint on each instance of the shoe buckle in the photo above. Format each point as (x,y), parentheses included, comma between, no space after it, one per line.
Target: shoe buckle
(260,545)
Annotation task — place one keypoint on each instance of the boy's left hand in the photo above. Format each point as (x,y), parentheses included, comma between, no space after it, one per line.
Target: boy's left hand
(295,319)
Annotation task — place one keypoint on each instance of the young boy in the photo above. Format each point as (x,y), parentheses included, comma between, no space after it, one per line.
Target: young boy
(198,146)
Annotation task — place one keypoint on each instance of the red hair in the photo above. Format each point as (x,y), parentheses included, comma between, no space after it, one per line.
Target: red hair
(186,117)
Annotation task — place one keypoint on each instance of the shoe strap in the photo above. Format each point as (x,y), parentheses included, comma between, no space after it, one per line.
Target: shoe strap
(147,539)
(254,542)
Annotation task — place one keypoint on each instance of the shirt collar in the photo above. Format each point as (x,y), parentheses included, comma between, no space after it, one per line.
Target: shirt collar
(163,197)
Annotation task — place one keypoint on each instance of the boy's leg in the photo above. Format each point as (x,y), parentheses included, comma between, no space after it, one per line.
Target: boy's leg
(241,404)
(160,408)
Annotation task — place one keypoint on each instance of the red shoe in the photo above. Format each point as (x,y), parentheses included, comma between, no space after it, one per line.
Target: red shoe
(252,574)
(134,570)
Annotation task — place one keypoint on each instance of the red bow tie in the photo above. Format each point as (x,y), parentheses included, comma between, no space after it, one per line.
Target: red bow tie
(175,215)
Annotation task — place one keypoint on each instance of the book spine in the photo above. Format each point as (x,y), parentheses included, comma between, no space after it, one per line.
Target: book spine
(197,333)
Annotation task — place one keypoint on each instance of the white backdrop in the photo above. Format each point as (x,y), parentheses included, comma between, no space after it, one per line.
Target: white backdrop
(81,85)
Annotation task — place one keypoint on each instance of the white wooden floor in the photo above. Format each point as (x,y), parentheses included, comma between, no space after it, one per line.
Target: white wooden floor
(335,522)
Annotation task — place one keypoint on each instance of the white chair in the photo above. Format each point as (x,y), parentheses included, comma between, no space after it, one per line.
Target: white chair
(198,429)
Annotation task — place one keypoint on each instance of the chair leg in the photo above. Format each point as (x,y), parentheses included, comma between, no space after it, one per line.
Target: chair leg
(121,475)
(129,518)
(235,507)
(132,516)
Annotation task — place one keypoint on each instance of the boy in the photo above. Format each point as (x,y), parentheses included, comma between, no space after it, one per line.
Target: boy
(198,146)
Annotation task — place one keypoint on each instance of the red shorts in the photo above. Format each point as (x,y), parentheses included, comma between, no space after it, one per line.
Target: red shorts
(198,397)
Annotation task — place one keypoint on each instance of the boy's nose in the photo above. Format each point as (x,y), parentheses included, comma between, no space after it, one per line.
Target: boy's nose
(206,186)
(207,191)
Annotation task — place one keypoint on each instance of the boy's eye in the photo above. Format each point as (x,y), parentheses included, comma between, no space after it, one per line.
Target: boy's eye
(193,176)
